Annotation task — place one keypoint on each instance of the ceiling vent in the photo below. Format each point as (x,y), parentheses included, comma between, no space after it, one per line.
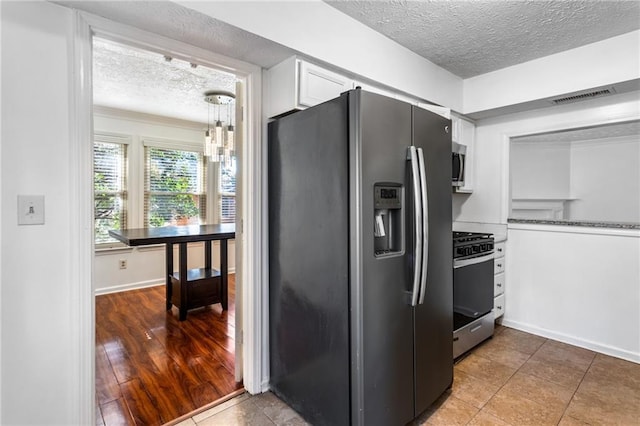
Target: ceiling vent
(583,96)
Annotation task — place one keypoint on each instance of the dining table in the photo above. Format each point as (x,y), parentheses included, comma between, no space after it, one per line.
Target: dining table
(187,288)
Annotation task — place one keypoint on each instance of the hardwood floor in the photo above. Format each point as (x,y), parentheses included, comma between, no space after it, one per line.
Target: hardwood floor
(152,368)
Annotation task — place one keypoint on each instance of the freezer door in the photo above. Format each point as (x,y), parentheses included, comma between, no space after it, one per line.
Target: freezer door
(433,317)
(382,318)
(309,262)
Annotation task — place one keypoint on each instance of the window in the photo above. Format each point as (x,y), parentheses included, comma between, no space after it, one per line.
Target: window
(227,193)
(175,189)
(109,183)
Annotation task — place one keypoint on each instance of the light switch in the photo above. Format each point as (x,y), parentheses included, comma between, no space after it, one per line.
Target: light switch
(30,209)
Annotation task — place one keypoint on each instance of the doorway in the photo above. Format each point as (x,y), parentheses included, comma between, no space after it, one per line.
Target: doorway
(134,348)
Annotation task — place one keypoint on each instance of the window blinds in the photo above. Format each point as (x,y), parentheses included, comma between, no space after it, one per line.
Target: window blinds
(175,189)
(110,195)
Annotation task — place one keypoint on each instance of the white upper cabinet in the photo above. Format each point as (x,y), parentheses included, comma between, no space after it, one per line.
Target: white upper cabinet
(295,84)
(463,132)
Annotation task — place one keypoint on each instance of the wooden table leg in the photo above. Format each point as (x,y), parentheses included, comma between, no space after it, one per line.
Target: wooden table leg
(169,272)
(184,302)
(224,273)
(207,254)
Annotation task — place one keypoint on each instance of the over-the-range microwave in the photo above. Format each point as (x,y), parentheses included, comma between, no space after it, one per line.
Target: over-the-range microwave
(458,155)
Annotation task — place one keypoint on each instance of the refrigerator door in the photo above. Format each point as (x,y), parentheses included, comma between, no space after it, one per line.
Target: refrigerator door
(434,317)
(382,317)
(309,262)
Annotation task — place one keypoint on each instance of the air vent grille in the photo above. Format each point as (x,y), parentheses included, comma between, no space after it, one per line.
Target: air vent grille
(583,96)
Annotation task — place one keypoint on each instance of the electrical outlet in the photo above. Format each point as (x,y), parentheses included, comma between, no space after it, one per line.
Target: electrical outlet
(123,263)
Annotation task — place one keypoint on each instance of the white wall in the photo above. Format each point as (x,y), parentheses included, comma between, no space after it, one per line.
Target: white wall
(145,265)
(603,63)
(540,170)
(38,376)
(605,179)
(490,199)
(320,31)
(557,281)
(580,286)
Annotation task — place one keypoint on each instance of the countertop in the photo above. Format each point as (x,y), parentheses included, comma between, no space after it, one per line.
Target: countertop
(612,225)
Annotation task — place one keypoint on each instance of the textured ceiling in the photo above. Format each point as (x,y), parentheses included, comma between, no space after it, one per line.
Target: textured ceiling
(631,128)
(465,37)
(135,80)
(142,81)
(469,38)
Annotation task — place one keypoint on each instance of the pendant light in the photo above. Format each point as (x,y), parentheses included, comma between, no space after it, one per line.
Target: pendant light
(217,140)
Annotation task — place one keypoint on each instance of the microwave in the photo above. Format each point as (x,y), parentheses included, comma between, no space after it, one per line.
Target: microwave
(458,156)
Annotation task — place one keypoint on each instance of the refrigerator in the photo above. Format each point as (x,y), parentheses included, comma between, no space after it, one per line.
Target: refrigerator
(360,260)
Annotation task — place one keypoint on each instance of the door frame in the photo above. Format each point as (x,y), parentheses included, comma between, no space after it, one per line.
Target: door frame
(253,227)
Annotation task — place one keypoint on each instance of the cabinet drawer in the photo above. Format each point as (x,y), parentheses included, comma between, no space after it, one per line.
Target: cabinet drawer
(499,249)
(498,265)
(498,284)
(498,306)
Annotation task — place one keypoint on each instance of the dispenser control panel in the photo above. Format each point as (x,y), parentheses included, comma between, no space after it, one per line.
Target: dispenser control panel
(387,197)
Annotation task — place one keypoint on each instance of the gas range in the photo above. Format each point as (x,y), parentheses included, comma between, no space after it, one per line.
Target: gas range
(471,244)
(472,290)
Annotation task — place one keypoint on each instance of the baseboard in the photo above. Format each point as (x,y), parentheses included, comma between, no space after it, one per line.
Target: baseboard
(572,340)
(127,287)
(136,286)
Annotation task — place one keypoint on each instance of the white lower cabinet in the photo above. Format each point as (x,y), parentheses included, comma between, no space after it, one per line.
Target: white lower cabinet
(498,306)
(499,280)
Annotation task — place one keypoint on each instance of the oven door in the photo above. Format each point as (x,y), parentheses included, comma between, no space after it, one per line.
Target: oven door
(472,288)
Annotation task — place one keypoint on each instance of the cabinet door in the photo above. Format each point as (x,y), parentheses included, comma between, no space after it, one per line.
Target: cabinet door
(464,132)
(498,306)
(498,284)
(318,85)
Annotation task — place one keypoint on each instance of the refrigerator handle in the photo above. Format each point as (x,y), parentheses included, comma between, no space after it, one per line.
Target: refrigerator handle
(425,226)
(412,156)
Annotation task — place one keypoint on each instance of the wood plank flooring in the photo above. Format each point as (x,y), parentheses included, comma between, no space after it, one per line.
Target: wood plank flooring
(152,368)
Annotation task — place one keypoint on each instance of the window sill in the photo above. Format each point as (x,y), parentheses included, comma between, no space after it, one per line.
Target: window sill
(101,251)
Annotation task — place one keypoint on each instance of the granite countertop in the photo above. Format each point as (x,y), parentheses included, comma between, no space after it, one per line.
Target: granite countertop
(612,225)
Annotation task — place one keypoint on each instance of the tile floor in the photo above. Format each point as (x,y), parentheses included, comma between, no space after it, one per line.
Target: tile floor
(515,379)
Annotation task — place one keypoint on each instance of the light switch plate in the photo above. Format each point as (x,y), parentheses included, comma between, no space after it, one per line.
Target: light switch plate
(30,209)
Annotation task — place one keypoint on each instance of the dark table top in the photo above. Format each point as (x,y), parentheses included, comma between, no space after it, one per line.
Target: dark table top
(174,234)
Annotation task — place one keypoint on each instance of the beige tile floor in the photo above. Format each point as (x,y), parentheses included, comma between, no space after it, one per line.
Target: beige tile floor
(515,379)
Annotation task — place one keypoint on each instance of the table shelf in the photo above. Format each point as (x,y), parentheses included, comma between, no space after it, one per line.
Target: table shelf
(202,288)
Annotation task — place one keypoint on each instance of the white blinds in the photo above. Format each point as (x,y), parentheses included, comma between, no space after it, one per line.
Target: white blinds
(109,182)
(175,188)
(227,195)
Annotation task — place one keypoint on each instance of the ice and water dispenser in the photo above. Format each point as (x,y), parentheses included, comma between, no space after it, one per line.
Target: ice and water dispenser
(387,224)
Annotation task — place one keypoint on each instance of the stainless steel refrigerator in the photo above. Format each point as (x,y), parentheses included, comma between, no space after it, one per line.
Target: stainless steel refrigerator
(360,260)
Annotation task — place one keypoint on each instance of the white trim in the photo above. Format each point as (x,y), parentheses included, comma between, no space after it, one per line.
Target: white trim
(1,399)
(137,285)
(142,117)
(254,298)
(131,286)
(82,314)
(572,340)
(172,144)
(111,137)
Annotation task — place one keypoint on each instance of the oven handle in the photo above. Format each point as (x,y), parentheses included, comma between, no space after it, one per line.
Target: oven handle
(473,261)
(417,203)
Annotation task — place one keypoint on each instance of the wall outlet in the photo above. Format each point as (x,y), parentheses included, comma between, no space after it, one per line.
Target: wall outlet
(122,263)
